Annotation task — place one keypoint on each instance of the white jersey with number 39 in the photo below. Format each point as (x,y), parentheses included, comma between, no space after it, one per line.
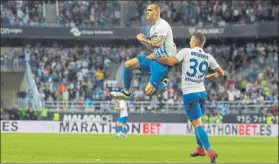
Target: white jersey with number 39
(194,68)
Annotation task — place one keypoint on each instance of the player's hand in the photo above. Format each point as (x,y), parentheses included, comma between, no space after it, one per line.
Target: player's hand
(151,56)
(209,77)
(140,37)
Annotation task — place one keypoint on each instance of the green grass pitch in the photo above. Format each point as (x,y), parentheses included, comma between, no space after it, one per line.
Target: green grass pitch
(19,147)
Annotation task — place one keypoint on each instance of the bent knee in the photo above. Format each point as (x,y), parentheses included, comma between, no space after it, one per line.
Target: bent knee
(128,64)
(132,63)
(149,91)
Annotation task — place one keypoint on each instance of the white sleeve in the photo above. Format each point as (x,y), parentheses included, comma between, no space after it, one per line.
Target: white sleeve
(182,54)
(162,30)
(122,104)
(213,63)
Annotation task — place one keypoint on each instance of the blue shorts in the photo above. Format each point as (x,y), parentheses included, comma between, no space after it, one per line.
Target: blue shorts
(122,120)
(158,71)
(194,104)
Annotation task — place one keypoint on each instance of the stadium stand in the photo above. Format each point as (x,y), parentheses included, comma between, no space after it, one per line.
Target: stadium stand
(61,60)
(66,73)
(22,13)
(217,13)
(82,71)
(87,13)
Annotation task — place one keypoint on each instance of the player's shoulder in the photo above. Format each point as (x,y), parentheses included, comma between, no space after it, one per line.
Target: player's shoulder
(185,50)
(164,22)
(209,55)
(199,50)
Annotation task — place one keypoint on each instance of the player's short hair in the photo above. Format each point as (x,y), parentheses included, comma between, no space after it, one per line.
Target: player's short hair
(157,7)
(201,37)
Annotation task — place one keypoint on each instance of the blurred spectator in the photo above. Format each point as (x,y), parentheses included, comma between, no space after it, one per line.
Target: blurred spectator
(89,13)
(22,13)
(44,114)
(14,113)
(269,119)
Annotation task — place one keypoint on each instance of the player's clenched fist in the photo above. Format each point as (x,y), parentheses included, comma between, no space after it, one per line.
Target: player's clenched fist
(208,77)
(140,37)
(211,76)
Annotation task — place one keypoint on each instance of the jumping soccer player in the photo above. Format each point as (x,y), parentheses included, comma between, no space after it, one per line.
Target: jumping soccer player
(121,106)
(161,44)
(194,68)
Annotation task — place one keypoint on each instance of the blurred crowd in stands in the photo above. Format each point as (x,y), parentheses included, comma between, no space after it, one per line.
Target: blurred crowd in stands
(89,13)
(24,113)
(108,13)
(209,12)
(78,73)
(22,13)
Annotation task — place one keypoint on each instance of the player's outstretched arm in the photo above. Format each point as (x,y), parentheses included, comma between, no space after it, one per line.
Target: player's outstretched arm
(172,60)
(168,60)
(164,60)
(218,73)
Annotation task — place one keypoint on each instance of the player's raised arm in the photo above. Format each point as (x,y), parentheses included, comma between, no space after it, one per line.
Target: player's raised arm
(156,43)
(151,44)
(150,48)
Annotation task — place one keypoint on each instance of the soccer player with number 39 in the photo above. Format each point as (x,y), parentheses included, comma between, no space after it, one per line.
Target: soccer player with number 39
(194,68)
